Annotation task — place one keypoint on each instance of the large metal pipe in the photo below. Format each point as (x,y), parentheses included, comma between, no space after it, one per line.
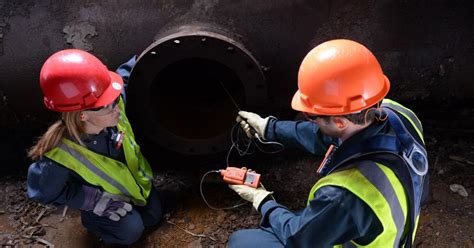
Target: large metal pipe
(188,85)
(423,46)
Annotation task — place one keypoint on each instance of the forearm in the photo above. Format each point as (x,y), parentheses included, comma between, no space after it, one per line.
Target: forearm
(51,184)
(280,219)
(124,71)
(298,134)
(334,216)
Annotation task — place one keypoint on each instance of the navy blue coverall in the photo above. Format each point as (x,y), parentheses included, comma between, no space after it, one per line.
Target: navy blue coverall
(51,183)
(334,216)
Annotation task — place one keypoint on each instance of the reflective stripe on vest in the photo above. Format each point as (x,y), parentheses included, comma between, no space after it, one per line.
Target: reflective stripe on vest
(415,156)
(112,175)
(133,179)
(408,114)
(135,160)
(94,169)
(381,190)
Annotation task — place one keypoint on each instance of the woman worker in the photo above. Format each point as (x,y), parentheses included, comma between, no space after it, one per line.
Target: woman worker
(89,160)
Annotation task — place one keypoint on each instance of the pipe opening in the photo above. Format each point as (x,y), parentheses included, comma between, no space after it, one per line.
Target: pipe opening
(180,90)
(189,99)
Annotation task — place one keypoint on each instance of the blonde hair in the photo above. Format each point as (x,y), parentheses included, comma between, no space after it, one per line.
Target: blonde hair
(70,122)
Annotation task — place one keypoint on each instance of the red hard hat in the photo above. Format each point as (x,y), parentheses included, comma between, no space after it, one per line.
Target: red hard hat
(73,80)
(339,77)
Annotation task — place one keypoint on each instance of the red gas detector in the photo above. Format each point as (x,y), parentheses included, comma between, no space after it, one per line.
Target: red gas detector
(234,175)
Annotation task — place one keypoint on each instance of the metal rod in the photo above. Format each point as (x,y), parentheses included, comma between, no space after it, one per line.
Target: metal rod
(231,98)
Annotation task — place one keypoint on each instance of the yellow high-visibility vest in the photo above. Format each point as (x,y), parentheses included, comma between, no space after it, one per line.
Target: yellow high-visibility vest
(378,186)
(133,179)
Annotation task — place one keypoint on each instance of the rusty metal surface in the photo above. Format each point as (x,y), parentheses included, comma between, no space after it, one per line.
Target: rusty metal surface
(424,46)
(179,89)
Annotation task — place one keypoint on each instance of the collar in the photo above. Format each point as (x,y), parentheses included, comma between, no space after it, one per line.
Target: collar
(337,154)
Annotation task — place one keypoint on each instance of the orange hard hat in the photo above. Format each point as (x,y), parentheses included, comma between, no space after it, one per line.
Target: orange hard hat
(73,80)
(339,77)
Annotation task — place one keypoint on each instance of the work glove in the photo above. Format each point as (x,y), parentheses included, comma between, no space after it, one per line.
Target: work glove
(250,120)
(250,194)
(105,204)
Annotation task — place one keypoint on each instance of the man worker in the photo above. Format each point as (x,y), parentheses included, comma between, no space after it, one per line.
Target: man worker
(374,171)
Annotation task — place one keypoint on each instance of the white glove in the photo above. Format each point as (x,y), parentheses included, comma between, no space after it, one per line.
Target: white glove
(250,194)
(249,120)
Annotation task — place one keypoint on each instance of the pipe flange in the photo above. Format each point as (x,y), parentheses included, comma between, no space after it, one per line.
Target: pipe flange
(175,96)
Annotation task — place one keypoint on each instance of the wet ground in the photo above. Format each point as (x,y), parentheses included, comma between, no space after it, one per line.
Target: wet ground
(447,220)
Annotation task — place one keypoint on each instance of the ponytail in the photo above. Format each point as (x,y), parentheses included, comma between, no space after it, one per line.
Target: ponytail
(69,124)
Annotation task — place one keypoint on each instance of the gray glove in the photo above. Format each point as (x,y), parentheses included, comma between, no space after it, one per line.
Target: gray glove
(250,120)
(105,204)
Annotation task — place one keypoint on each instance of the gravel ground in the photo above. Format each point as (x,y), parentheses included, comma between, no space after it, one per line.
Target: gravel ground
(447,221)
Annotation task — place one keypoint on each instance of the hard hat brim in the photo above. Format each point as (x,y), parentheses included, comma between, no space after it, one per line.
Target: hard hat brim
(298,105)
(112,92)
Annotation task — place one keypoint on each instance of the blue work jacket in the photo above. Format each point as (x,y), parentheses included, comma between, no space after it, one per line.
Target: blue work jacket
(51,183)
(334,216)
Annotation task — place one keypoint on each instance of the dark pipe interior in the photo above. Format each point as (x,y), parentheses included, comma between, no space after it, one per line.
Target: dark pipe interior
(189,99)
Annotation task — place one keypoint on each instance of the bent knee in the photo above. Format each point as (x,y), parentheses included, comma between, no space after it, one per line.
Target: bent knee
(130,233)
(128,230)
(253,237)
(237,239)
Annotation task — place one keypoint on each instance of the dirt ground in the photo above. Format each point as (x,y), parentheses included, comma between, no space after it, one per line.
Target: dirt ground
(447,220)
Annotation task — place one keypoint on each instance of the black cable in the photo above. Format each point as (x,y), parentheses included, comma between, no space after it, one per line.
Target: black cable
(244,146)
(207,203)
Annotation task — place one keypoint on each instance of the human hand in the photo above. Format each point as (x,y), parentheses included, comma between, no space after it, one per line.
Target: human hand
(105,204)
(249,120)
(250,194)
